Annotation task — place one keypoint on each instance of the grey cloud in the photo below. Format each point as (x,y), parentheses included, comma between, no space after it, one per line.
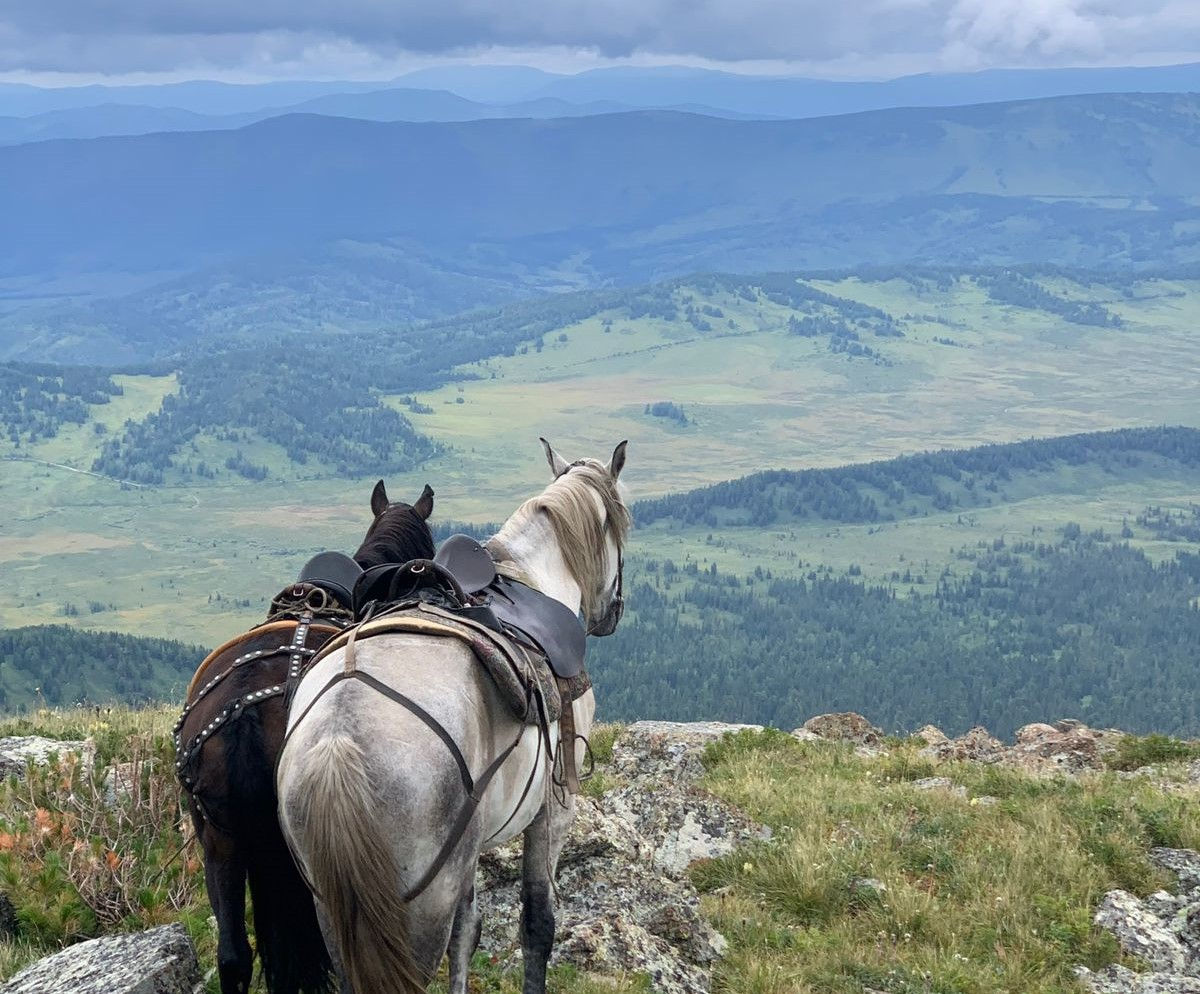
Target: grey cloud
(130,35)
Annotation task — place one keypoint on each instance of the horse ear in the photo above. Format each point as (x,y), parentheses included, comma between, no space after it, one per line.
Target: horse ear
(557,463)
(617,463)
(379,499)
(424,504)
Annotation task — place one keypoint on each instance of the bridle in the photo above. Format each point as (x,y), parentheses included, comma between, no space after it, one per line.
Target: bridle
(607,623)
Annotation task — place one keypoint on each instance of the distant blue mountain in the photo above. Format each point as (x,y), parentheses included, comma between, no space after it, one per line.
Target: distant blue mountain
(395,104)
(1091,180)
(655,87)
(198,96)
(792,97)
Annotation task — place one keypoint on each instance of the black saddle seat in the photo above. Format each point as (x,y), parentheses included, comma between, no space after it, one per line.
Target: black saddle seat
(467,561)
(335,573)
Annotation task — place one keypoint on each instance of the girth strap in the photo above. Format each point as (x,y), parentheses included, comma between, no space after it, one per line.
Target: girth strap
(474,788)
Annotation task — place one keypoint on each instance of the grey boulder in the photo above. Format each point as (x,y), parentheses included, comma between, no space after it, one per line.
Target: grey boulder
(160,961)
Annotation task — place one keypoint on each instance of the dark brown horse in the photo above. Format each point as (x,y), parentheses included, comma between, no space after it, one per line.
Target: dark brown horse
(227,741)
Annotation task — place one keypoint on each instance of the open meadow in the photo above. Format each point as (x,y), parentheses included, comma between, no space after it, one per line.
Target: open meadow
(196,557)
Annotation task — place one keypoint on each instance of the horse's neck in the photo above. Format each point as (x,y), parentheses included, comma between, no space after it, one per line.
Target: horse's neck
(534,552)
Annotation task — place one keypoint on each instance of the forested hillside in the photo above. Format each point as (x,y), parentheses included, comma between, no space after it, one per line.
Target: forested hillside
(1021,619)
(1076,625)
(340,400)
(57,665)
(915,485)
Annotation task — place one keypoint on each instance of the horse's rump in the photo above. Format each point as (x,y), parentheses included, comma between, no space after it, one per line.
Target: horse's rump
(239,678)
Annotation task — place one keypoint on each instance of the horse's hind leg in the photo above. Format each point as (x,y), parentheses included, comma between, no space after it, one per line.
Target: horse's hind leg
(225,878)
(335,955)
(464,938)
(537,904)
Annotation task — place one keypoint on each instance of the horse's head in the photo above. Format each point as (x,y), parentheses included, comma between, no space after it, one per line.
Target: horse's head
(399,531)
(591,521)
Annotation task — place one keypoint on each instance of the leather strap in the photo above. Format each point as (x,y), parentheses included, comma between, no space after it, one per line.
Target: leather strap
(566,745)
(474,788)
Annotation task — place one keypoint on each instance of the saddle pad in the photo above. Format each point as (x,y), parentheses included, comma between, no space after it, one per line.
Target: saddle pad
(514,670)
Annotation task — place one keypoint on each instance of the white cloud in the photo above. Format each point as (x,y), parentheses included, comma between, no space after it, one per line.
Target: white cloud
(324,37)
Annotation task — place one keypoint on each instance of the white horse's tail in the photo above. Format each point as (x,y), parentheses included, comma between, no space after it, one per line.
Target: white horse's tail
(331,816)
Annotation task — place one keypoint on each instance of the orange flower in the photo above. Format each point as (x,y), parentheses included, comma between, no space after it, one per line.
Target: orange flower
(6,841)
(112,859)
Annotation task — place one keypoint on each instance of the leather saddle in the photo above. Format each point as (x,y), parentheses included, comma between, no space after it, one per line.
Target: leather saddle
(462,578)
(335,573)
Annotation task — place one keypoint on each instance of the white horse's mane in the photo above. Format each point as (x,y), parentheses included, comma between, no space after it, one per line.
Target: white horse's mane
(569,504)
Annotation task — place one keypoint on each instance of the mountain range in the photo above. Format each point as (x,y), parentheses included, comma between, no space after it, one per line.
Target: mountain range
(648,87)
(393,104)
(1090,180)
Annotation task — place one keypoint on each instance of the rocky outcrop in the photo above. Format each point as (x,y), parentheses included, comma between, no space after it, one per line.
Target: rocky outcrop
(16,753)
(846,726)
(977,745)
(1161,929)
(1067,746)
(631,851)
(931,735)
(160,961)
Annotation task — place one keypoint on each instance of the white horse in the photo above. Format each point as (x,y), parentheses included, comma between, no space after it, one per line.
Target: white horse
(373,799)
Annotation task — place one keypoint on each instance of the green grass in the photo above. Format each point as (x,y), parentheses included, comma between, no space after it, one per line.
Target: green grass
(868,881)
(977,898)
(78,865)
(1135,751)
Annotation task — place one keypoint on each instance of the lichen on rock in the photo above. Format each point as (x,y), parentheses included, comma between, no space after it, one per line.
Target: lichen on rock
(160,961)
(624,900)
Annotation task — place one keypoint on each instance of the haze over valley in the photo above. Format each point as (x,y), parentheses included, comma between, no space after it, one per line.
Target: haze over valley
(227,308)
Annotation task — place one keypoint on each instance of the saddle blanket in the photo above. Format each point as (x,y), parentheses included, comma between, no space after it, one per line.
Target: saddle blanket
(518,670)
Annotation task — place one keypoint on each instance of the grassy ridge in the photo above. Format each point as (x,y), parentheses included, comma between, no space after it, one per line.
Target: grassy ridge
(868,881)
(872,883)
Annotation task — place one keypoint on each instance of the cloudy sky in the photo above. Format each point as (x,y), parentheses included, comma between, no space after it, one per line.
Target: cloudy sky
(78,40)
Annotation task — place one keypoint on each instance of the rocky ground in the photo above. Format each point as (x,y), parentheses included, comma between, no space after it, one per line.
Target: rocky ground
(631,850)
